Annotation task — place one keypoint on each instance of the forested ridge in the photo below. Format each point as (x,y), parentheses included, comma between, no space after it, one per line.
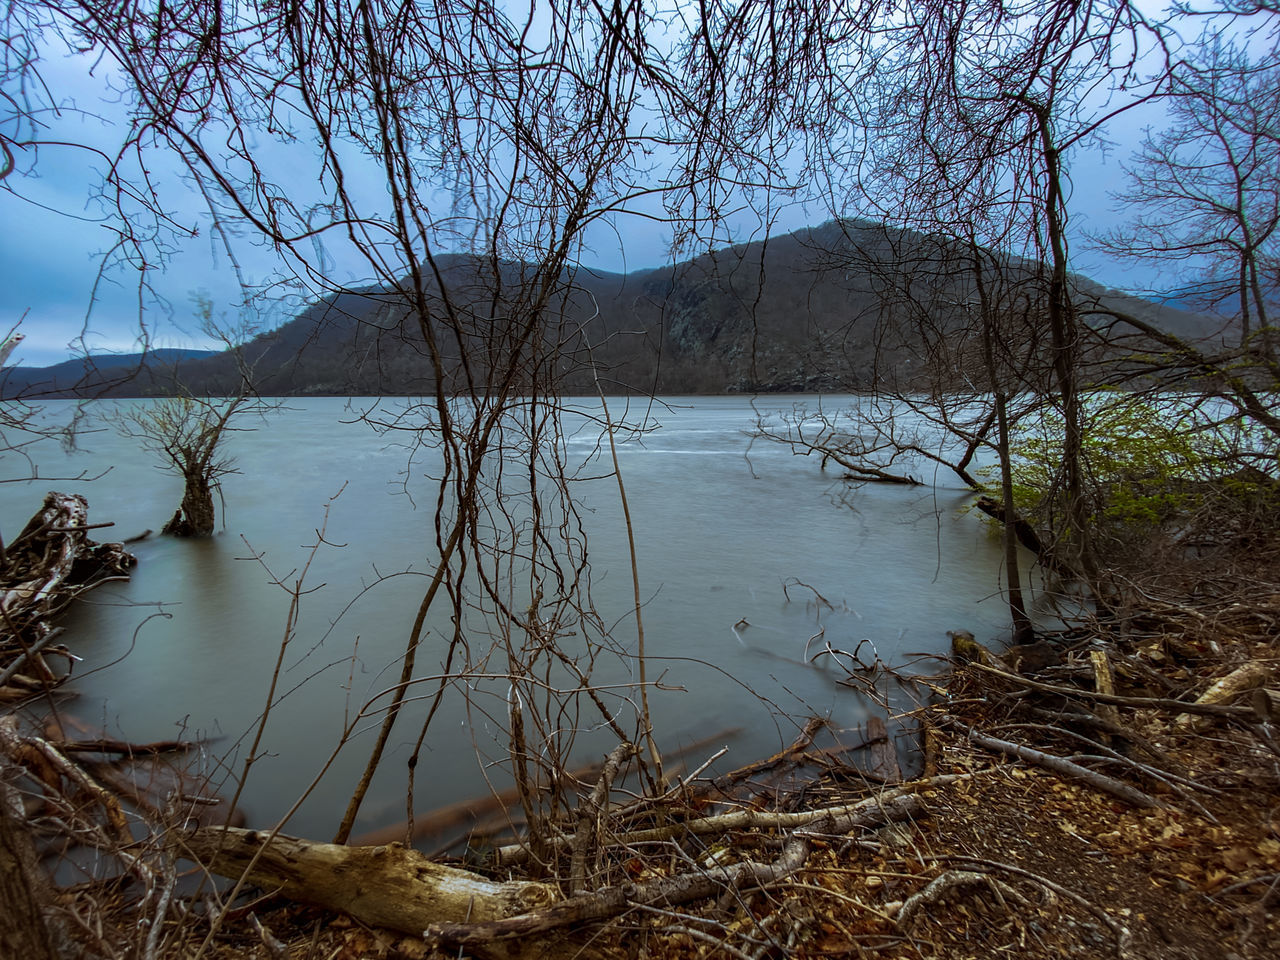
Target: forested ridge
(794,313)
(1102,777)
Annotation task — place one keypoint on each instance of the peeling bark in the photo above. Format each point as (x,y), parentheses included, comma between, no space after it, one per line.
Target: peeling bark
(387,886)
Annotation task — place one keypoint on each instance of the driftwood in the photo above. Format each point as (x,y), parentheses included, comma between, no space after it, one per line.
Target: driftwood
(48,564)
(1147,703)
(388,886)
(400,889)
(1243,679)
(1104,681)
(49,765)
(1060,765)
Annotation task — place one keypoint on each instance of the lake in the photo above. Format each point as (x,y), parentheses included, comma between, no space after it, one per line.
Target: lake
(735,542)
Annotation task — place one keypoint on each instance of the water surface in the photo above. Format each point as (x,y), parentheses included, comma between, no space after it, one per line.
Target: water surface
(735,541)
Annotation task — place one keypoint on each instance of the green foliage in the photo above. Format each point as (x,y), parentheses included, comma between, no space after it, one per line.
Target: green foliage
(1147,461)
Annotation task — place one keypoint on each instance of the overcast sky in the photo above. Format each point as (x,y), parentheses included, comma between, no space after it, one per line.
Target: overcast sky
(56,233)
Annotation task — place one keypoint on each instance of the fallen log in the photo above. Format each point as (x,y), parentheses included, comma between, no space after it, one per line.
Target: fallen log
(48,564)
(1243,679)
(400,889)
(387,886)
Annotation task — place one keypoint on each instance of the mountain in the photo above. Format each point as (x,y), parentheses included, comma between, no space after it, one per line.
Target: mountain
(101,374)
(825,308)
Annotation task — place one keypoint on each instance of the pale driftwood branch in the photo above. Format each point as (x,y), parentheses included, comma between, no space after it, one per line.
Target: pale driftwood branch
(1131,795)
(39,573)
(874,809)
(1104,682)
(1147,703)
(1252,675)
(386,886)
(14,745)
(31,651)
(943,885)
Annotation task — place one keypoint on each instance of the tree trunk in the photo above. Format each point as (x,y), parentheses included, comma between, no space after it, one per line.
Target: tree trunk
(195,517)
(1074,544)
(1023,632)
(1021,623)
(22,929)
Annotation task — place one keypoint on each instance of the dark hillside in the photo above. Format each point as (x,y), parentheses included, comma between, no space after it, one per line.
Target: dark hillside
(819,309)
(100,374)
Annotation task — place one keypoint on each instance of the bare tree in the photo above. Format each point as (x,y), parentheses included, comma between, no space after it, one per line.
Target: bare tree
(1206,189)
(187,432)
(957,124)
(1205,201)
(454,157)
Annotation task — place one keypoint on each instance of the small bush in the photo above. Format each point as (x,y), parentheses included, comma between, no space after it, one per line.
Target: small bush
(1147,461)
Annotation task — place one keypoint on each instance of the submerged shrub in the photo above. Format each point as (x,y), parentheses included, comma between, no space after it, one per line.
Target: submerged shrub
(1147,460)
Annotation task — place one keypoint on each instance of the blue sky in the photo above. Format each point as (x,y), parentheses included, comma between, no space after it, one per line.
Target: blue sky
(55,234)
(51,254)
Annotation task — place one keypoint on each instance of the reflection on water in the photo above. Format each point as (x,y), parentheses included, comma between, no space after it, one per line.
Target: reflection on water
(745,564)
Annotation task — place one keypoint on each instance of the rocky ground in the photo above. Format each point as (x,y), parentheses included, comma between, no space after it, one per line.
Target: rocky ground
(1161,842)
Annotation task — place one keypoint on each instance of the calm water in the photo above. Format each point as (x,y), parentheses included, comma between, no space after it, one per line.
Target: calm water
(721,526)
